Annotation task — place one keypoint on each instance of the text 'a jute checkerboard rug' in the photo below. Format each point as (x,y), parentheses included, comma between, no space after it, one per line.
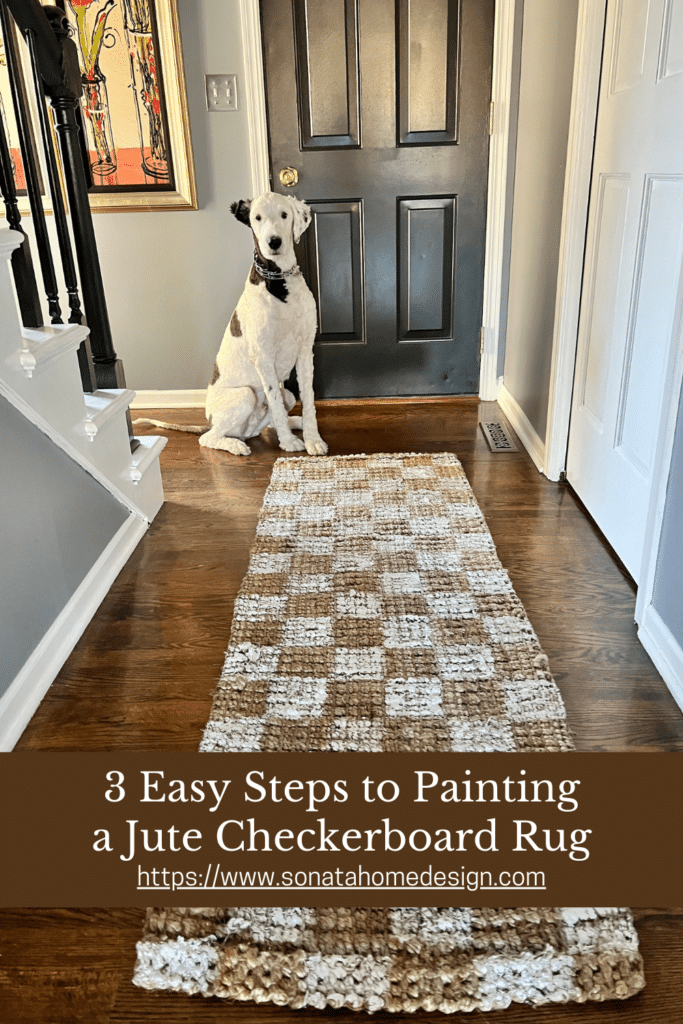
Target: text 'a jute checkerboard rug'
(375,615)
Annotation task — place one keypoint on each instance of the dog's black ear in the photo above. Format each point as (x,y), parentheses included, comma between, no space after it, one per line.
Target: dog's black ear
(241,210)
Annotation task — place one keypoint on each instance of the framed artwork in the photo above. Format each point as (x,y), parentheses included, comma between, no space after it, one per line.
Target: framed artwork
(134,104)
(134,107)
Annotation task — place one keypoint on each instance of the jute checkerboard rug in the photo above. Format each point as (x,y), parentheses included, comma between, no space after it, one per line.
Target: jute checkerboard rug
(375,615)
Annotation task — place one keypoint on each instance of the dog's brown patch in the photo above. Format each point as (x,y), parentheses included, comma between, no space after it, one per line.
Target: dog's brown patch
(215,375)
(235,327)
(254,276)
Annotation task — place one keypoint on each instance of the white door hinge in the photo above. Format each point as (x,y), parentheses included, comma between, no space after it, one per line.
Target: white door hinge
(491,118)
(482,336)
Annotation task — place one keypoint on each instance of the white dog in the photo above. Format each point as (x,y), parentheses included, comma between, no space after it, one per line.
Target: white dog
(271,331)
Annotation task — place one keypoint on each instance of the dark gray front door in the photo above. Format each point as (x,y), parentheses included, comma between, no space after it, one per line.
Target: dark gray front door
(382,108)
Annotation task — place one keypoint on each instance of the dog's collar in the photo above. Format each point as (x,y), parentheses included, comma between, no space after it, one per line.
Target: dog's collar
(274,275)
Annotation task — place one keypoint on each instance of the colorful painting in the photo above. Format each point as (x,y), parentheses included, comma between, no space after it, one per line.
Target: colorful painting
(134,105)
(133,100)
(122,95)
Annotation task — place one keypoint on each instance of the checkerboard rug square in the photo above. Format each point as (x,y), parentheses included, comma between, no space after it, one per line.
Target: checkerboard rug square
(376,616)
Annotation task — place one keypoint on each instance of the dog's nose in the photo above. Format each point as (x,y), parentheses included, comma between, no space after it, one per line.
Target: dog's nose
(275,242)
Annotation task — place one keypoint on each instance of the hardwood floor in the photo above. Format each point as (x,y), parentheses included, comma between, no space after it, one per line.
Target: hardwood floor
(142,675)
(72,966)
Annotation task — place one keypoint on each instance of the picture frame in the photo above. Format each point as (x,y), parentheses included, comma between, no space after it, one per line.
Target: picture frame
(134,113)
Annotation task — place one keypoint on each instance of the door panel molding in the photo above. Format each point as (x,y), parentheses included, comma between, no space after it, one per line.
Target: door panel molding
(333,256)
(328,75)
(426,231)
(428,109)
(602,278)
(660,245)
(671,47)
(628,44)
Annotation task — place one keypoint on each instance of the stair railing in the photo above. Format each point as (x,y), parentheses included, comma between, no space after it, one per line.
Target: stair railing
(55,77)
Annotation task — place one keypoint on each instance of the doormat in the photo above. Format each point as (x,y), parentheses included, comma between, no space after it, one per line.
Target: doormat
(375,615)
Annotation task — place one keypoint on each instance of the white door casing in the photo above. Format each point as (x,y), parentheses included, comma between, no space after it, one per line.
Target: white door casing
(631,299)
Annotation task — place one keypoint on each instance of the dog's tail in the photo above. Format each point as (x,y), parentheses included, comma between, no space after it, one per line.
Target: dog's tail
(186,428)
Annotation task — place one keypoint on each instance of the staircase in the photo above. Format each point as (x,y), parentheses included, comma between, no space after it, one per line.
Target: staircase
(40,377)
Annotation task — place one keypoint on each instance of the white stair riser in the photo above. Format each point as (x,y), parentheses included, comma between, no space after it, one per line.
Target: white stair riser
(103,406)
(54,391)
(109,449)
(148,494)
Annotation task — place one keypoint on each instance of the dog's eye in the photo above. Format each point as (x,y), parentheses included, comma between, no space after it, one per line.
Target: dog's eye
(258,216)
(284,216)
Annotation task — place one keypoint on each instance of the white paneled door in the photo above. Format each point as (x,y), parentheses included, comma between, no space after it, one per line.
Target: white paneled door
(632,292)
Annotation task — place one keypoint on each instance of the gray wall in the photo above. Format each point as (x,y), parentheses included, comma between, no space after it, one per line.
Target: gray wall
(56,521)
(548,38)
(667,597)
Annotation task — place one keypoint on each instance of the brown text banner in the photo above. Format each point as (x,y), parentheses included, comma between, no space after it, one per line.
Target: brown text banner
(341,829)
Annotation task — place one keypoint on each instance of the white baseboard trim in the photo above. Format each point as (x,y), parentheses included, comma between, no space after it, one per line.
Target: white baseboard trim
(522,427)
(19,703)
(169,399)
(665,651)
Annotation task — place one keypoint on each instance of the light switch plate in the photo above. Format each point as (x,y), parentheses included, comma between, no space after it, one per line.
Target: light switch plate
(221,92)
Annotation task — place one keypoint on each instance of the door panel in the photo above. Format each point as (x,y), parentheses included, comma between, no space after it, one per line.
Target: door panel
(659,263)
(604,283)
(426,237)
(629,32)
(429,70)
(327,72)
(632,296)
(385,168)
(671,62)
(332,245)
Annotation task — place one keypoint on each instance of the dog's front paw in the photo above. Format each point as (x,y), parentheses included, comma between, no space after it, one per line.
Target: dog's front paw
(292,444)
(316,446)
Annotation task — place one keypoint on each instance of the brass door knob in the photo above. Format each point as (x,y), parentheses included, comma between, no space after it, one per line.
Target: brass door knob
(289,176)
